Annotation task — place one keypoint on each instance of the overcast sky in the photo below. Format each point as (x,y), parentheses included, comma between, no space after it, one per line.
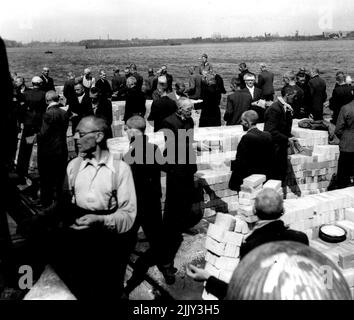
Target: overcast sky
(26,20)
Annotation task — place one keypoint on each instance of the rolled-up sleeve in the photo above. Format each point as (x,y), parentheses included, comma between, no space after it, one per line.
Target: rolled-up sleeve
(123,219)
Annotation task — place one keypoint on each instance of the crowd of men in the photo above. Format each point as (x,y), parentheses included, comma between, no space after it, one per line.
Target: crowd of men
(106,200)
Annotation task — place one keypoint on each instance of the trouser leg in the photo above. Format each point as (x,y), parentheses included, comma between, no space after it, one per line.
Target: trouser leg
(24,158)
(345,169)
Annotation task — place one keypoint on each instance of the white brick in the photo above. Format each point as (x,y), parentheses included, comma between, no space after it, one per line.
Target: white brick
(216,232)
(226,221)
(232,250)
(214,246)
(211,258)
(241,226)
(272,184)
(254,180)
(226,276)
(228,264)
(349,214)
(233,237)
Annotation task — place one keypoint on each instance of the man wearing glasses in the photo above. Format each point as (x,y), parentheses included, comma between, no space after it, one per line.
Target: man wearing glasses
(95,244)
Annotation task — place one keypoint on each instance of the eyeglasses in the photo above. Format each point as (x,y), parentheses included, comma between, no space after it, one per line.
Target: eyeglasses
(83,134)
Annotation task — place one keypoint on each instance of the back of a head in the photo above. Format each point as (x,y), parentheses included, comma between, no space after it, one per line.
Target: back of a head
(263,66)
(51,96)
(287,271)
(268,205)
(251,117)
(137,122)
(243,65)
(131,82)
(36,81)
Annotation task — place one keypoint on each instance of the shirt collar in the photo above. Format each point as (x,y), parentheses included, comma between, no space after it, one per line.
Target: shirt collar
(51,105)
(106,160)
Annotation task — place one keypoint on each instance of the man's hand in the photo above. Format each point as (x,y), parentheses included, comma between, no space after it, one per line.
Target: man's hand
(197,274)
(88,220)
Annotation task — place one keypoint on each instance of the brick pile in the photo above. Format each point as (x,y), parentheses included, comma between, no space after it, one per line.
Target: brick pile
(341,254)
(312,174)
(223,241)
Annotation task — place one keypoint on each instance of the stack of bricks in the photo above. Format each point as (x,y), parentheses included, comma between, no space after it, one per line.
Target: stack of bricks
(215,195)
(249,190)
(341,254)
(223,241)
(251,187)
(309,213)
(312,174)
(309,138)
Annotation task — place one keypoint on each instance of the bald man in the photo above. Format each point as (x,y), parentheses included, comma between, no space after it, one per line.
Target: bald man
(255,152)
(48,82)
(269,209)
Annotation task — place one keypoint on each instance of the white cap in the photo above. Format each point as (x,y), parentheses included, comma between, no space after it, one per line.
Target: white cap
(37,79)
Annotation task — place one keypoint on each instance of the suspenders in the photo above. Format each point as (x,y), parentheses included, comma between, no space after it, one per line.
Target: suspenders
(76,167)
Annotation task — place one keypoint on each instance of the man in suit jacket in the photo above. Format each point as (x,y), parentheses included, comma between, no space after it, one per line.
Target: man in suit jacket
(135,100)
(278,122)
(342,95)
(318,94)
(52,150)
(33,109)
(162,107)
(48,82)
(265,83)
(345,132)
(255,145)
(134,73)
(80,106)
(179,181)
(101,107)
(104,86)
(255,94)
(237,103)
(118,83)
(243,71)
(291,87)
(195,84)
(169,78)
(69,89)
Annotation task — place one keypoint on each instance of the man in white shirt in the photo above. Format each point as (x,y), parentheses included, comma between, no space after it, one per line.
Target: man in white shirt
(95,245)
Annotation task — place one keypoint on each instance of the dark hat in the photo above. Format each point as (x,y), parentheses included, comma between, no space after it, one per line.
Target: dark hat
(204,55)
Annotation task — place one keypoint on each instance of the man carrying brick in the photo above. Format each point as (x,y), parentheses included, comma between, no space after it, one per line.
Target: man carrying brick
(255,152)
(269,208)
